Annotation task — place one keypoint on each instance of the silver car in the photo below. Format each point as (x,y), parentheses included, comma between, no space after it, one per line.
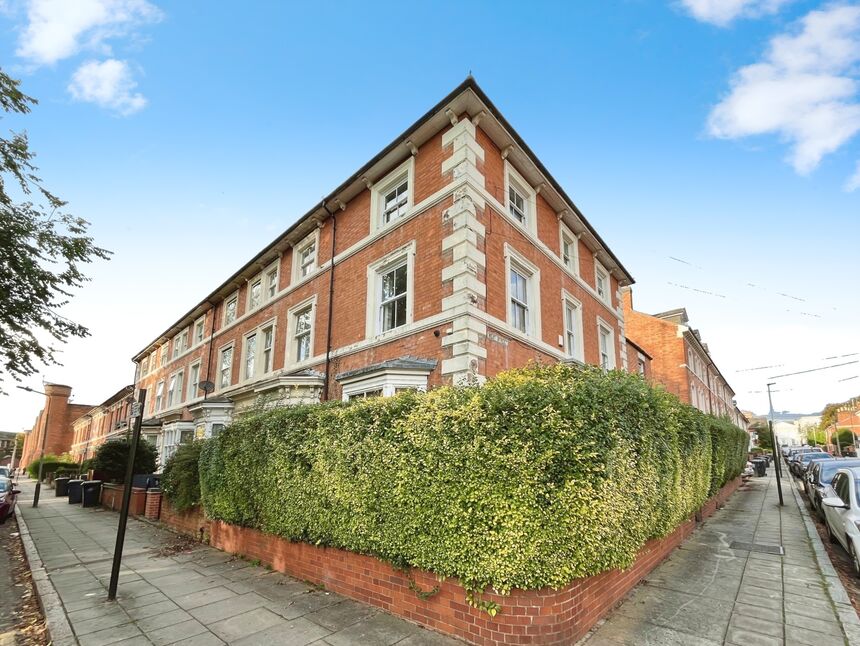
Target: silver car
(842,513)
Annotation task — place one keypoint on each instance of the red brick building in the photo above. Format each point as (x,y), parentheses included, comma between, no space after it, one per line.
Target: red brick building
(101,423)
(681,361)
(53,423)
(451,255)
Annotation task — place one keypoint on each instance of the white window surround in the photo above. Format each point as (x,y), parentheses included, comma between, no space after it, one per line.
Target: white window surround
(193,380)
(271,280)
(566,235)
(180,343)
(225,319)
(314,239)
(579,343)
(199,324)
(255,282)
(158,400)
(514,260)
(522,186)
(385,185)
(387,381)
(257,333)
(601,273)
(375,271)
(291,330)
(229,347)
(175,395)
(603,328)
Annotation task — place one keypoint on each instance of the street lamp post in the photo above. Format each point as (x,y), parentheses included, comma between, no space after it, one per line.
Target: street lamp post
(41,443)
(776,454)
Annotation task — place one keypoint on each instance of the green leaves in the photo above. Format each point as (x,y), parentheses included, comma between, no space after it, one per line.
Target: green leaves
(540,476)
(42,250)
(180,481)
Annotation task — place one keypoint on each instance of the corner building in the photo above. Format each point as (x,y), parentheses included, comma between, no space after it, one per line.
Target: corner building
(450,256)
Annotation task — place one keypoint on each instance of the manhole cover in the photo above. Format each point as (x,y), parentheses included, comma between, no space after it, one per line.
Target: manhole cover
(756,547)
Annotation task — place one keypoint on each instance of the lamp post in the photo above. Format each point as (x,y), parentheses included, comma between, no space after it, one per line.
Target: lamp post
(776,454)
(41,443)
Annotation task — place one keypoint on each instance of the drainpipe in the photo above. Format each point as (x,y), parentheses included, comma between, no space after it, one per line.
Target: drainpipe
(327,378)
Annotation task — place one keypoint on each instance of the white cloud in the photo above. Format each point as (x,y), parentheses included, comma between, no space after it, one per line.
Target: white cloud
(58,29)
(108,84)
(853,182)
(804,89)
(723,12)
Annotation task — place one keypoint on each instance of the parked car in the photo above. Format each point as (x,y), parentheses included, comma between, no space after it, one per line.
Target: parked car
(807,460)
(8,497)
(842,513)
(817,484)
(5,472)
(799,462)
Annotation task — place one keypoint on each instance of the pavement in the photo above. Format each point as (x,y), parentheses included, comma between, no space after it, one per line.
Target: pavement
(173,591)
(714,591)
(754,574)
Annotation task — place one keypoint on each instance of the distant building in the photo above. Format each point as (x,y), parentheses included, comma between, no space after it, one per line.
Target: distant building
(101,423)
(681,361)
(788,433)
(638,360)
(7,444)
(53,424)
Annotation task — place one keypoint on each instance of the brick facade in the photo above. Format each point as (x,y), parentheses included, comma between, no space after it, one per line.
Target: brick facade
(459,237)
(101,423)
(53,423)
(681,361)
(545,617)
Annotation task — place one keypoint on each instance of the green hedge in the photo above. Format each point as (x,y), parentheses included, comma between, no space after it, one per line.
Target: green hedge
(52,464)
(180,481)
(540,476)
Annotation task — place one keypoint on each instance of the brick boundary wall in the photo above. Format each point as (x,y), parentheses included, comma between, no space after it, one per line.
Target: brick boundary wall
(547,617)
(111,498)
(186,522)
(152,510)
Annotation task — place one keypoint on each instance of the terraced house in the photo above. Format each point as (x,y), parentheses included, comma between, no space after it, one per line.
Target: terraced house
(451,255)
(682,361)
(101,423)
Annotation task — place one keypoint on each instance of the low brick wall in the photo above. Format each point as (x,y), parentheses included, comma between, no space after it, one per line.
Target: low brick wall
(546,617)
(111,498)
(185,522)
(153,504)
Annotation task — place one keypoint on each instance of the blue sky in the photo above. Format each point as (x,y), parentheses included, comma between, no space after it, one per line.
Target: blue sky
(721,133)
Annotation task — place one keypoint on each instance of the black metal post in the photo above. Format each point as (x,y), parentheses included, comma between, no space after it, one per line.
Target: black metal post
(126,496)
(777,454)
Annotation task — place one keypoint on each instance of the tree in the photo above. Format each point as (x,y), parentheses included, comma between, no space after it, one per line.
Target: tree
(111,459)
(814,436)
(42,248)
(763,434)
(845,437)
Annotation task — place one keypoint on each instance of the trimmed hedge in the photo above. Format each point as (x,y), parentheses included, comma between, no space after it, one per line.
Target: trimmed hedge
(180,482)
(542,475)
(52,464)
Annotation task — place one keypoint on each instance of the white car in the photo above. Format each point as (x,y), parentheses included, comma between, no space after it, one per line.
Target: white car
(842,513)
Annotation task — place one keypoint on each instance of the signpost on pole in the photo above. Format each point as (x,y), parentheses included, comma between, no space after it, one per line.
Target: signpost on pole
(137,416)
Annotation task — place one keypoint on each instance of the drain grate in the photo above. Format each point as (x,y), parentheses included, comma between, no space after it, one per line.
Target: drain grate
(757,547)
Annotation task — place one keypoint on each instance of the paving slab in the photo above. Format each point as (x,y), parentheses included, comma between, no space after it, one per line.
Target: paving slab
(709,591)
(199,597)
